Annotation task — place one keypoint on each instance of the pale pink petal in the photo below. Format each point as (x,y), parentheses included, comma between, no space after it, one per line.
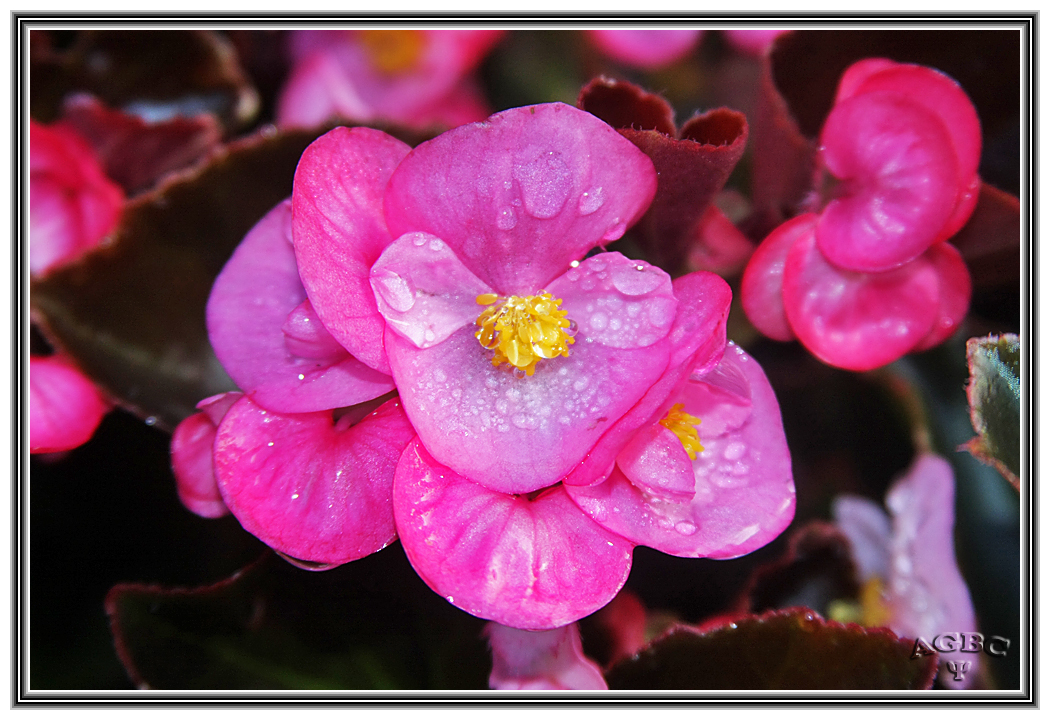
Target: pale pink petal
(900,181)
(745,494)
(655,462)
(858,321)
(698,339)
(719,246)
(541,660)
(192,448)
(533,564)
(762,287)
(267,336)
(927,595)
(72,204)
(954,293)
(521,434)
(423,291)
(868,528)
(754,42)
(646,49)
(519,197)
(313,488)
(65,408)
(317,90)
(338,232)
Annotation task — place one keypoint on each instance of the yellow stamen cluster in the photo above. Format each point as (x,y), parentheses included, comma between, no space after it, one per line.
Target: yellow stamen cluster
(683,425)
(393,51)
(523,330)
(869,609)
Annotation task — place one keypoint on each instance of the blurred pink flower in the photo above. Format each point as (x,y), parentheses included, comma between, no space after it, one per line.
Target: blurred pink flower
(870,278)
(646,49)
(416,78)
(907,560)
(72,204)
(754,42)
(541,660)
(65,408)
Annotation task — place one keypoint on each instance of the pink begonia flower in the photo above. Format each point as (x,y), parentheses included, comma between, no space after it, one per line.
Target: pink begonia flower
(65,408)
(305,458)
(646,49)
(72,204)
(870,278)
(906,561)
(541,660)
(415,78)
(192,448)
(525,366)
(754,42)
(72,207)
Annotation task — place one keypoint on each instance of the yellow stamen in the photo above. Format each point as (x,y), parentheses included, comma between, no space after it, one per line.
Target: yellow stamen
(683,425)
(869,609)
(524,330)
(393,51)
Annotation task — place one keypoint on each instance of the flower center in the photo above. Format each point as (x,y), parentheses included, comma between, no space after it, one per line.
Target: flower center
(869,610)
(524,330)
(683,425)
(393,51)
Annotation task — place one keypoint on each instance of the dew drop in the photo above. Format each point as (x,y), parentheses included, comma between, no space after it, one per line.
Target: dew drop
(519,373)
(507,219)
(301,376)
(419,240)
(151,421)
(590,201)
(269,444)
(599,321)
(449,598)
(394,289)
(575,263)
(572,329)
(734,451)
(428,335)
(436,245)
(685,528)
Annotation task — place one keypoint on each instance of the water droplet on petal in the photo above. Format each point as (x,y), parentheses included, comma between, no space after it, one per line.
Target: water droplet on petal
(615,232)
(393,289)
(572,329)
(590,201)
(507,219)
(734,451)
(419,240)
(428,335)
(685,528)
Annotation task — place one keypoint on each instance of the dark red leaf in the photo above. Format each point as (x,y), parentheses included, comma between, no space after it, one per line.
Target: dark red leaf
(990,242)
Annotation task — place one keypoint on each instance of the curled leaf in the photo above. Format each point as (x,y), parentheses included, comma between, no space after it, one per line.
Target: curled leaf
(994,392)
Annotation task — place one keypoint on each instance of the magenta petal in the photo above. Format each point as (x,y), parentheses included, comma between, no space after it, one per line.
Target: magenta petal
(868,528)
(745,495)
(339,232)
(855,75)
(65,408)
(954,296)
(617,302)
(310,487)
(531,564)
(857,321)
(192,448)
(655,461)
(541,660)
(900,179)
(698,338)
(269,340)
(520,196)
(423,291)
(646,49)
(762,287)
(927,594)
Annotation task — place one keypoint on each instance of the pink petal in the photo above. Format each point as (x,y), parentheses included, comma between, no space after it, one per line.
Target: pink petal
(719,247)
(521,434)
(754,42)
(339,232)
(318,89)
(868,528)
(313,488)
(541,660)
(530,564)
(954,296)
(857,321)
(519,197)
(698,339)
(65,408)
(655,462)
(646,49)
(72,204)
(855,75)
(964,208)
(901,181)
(762,287)
(927,594)
(423,291)
(267,336)
(745,495)
(624,621)
(192,448)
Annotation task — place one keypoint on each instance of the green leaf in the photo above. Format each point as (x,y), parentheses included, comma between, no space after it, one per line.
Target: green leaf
(994,392)
(131,313)
(783,650)
(371,624)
